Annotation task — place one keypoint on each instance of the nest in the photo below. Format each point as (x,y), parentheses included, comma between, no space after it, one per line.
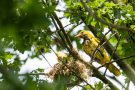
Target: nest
(75,71)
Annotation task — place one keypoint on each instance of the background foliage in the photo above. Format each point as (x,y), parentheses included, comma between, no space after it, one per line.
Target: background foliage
(27,24)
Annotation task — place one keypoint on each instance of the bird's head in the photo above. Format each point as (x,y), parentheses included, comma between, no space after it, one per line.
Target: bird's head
(85,34)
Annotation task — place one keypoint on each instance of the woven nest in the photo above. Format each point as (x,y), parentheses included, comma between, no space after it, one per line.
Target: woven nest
(76,71)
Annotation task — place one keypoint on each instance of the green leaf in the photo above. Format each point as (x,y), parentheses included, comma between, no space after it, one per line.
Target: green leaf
(132,27)
(93,23)
(99,86)
(60,83)
(8,56)
(50,9)
(87,87)
(40,70)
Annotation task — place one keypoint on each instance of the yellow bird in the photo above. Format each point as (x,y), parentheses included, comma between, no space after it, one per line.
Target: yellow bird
(90,43)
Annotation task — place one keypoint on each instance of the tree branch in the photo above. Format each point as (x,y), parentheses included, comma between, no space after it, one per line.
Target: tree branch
(58,31)
(62,29)
(114,78)
(91,13)
(116,61)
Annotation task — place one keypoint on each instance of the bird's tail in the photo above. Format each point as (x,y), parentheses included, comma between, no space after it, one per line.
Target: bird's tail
(114,70)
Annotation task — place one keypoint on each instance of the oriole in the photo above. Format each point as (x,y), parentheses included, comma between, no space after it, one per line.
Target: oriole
(90,43)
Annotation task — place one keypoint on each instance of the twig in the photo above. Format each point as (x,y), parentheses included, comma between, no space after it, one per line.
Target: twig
(125,58)
(128,83)
(109,38)
(114,78)
(93,54)
(67,25)
(61,17)
(59,10)
(74,26)
(116,60)
(32,74)
(116,47)
(62,29)
(84,88)
(112,54)
(53,50)
(116,35)
(58,31)
(57,28)
(45,58)
(100,45)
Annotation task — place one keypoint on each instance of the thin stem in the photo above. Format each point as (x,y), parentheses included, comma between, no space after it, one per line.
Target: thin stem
(45,58)
(128,83)
(54,17)
(108,39)
(112,54)
(59,33)
(32,74)
(114,78)
(67,25)
(62,29)
(93,54)
(117,60)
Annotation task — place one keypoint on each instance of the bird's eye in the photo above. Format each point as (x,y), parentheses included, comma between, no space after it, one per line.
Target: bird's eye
(85,35)
(82,32)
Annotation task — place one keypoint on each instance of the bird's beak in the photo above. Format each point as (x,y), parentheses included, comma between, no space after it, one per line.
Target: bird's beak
(78,35)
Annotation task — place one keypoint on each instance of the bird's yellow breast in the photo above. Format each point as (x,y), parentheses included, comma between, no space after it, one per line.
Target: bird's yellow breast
(100,54)
(89,46)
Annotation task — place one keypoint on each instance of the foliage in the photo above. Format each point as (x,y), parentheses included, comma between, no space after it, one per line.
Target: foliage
(29,24)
